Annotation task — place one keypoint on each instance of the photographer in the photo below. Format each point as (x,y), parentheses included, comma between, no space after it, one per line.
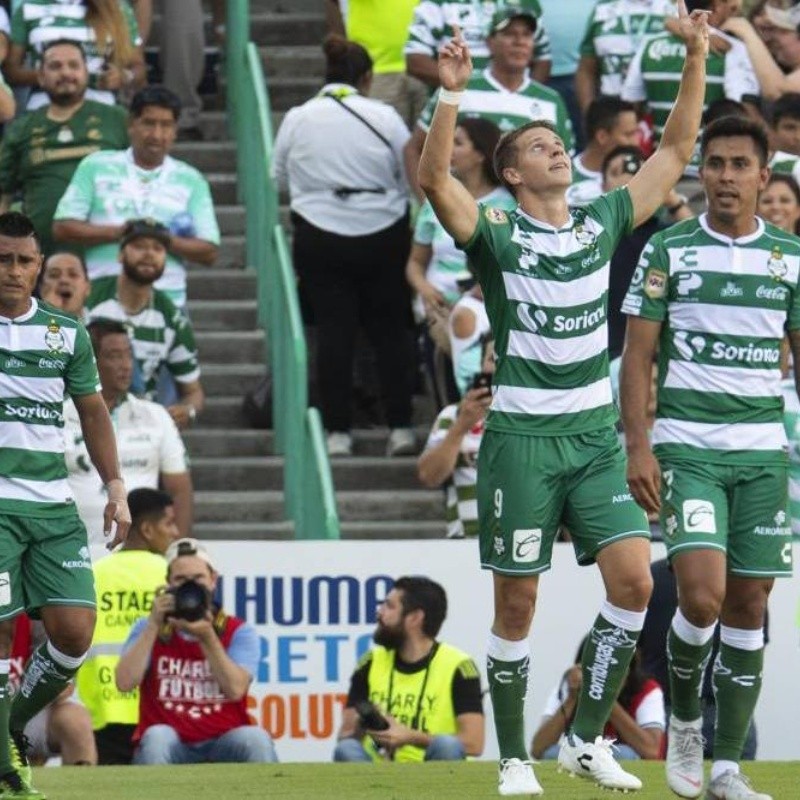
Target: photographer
(451,451)
(412,698)
(203,716)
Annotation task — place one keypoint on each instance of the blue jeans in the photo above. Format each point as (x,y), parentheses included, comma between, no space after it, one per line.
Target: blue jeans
(441,748)
(161,745)
(622,752)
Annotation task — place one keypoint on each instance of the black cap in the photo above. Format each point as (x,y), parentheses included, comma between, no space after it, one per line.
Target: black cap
(148,227)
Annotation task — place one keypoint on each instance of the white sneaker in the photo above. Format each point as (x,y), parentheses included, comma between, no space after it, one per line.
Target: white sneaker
(684,763)
(340,444)
(595,761)
(516,777)
(402,442)
(733,786)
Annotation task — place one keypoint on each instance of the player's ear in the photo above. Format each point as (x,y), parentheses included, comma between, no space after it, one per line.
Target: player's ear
(511,176)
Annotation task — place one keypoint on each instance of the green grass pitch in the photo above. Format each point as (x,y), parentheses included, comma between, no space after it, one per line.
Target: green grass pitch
(468,781)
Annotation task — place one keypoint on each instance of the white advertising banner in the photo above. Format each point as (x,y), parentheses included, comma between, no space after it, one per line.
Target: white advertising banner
(314,606)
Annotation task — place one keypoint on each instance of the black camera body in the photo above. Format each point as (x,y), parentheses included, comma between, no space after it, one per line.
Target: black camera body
(481,380)
(371,719)
(192,601)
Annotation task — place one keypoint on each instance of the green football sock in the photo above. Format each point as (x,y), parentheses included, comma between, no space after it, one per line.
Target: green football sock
(44,679)
(508,684)
(606,656)
(737,684)
(5,706)
(686,668)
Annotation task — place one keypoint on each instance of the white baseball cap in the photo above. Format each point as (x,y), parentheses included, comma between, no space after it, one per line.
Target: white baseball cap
(787,19)
(187,547)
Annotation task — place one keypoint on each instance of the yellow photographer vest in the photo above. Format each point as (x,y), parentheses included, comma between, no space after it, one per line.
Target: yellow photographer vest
(422,700)
(126,584)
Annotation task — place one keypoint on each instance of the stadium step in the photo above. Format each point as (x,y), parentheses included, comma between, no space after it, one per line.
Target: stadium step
(212,315)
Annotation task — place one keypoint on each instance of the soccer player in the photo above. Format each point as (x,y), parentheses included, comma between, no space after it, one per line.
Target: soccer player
(550,453)
(44,559)
(713,296)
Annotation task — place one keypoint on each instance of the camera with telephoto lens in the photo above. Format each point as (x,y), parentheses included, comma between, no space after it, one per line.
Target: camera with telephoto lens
(192,600)
(370,717)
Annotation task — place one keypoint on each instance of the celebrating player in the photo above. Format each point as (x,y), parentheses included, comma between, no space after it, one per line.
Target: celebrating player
(713,296)
(550,454)
(45,566)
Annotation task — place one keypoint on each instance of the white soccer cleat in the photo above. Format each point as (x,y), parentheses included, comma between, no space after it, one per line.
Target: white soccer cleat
(595,761)
(516,778)
(684,765)
(733,786)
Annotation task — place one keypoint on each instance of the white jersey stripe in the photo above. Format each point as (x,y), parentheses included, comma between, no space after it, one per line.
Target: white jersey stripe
(723,259)
(547,402)
(733,321)
(32,337)
(555,294)
(36,390)
(721,436)
(557,351)
(35,438)
(57,491)
(737,381)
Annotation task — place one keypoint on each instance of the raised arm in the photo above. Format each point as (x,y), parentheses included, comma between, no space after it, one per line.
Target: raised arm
(455,207)
(650,186)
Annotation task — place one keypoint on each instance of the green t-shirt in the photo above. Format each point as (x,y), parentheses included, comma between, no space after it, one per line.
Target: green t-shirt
(546,294)
(108,188)
(45,355)
(160,334)
(724,305)
(39,156)
(785,163)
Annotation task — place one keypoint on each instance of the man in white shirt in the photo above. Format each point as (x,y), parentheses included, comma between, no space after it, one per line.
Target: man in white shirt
(150,447)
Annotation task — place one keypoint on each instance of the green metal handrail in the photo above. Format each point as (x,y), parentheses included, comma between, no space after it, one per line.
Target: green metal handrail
(309,499)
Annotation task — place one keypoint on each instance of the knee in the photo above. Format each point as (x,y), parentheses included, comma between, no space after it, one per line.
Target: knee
(633,593)
(257,745)
(514,607)
(702,605)
(445,748)
(350,750)
(158,739)
(73,637)
(745,609)
(6,638)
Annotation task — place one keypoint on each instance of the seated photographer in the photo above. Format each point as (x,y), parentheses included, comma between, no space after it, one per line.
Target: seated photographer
(451,451)
(203,716)
(412,698)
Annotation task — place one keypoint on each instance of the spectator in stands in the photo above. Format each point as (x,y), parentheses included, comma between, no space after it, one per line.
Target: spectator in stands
(637,720)
(5,32)
(467,326)
(64,283)
(784,135)
(107,30)
(7,101)
(432,26)
(779,203)
(202,717)
(409,663)
(610,123)
(63,728)
(503,92)
(382,28)
(111,187)
(614,31)
(42,149)
(451,452)
(126,584)
(151,452)
(161,335)
(341,155)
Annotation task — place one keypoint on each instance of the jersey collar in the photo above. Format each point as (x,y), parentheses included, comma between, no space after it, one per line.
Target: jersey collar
(23,317)
(721,237)
(526,82)
(546,226)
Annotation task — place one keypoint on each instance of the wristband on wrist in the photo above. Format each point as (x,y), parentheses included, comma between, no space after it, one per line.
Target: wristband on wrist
(449,97)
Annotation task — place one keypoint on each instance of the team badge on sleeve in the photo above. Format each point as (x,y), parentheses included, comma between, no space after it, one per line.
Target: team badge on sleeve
(655,283)
(496,215)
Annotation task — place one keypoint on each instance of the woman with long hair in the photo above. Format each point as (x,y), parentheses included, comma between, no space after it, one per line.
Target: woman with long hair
(779,203)
(107,31)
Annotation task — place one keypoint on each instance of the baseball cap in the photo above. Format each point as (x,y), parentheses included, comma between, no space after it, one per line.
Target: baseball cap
(787,19)
(147,227)
(187,547)
(506,14)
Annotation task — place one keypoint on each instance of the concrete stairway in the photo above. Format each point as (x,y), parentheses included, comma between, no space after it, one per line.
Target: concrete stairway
(237,477)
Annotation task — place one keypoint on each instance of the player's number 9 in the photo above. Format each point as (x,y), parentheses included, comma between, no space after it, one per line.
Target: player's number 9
(498,503)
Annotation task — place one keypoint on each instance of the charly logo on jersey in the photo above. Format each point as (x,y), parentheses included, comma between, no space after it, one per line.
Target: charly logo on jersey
(730,289)
(688,282)
(776,264)
(689,346)
(655,283)
(699,516)
(526,545)
(54,339)
(688,258)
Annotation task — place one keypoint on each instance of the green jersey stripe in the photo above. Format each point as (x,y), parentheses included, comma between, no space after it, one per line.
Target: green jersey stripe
(33,466)
(706,406)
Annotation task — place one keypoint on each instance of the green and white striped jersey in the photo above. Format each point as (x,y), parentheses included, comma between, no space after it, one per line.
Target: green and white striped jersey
(614,32)
(160,334)
(791,423)
(587,185)
(485,97)
(432,26)
(546,294)
(724,305)
(654,76)
(44,356)
(461,491)
(787,163)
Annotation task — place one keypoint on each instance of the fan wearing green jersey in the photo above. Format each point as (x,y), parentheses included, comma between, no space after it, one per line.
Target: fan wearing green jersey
(45,568)
(550,454)
(713,298)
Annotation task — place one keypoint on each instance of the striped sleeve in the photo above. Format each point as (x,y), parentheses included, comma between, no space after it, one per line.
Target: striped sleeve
(182,359)
(81,377)
(647,295)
